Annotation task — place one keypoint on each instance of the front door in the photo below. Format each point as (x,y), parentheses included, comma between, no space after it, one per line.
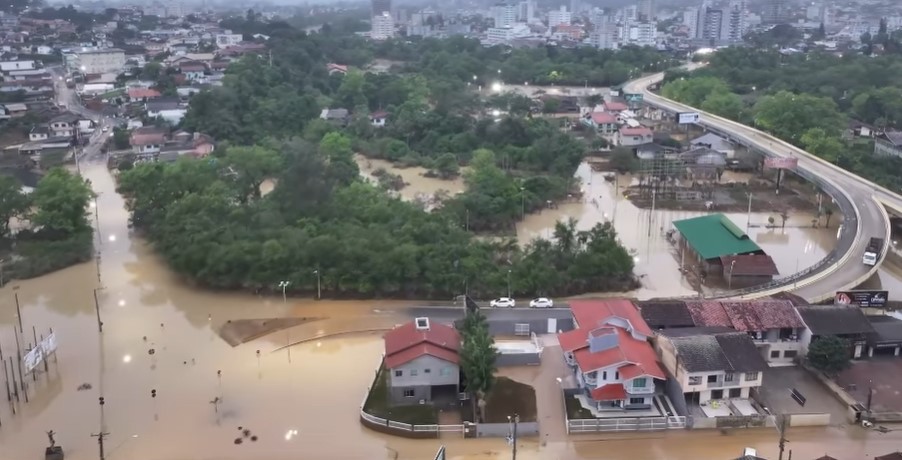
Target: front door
(552,325)
(716,394)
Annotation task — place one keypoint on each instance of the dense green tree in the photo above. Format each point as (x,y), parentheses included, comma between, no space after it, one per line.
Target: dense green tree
(61,200)
(477,359)
(829,354)
(790,115)
(624,160)
(446,166)
(13,202)
(727,105)
(251,166)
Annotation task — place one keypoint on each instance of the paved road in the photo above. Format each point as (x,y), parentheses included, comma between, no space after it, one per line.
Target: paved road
(845,269)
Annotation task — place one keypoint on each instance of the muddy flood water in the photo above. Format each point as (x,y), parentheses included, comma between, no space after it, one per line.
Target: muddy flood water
(300,401)
(642,231)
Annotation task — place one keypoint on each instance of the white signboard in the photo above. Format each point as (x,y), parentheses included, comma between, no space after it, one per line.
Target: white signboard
(48,345)
(685,118)
(33,358)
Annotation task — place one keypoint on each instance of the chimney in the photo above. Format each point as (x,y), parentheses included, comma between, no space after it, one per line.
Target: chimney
(422,324)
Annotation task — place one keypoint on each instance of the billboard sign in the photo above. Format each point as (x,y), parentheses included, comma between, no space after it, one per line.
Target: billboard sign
(781,163)
(685,118)
(869,299)
(634,98)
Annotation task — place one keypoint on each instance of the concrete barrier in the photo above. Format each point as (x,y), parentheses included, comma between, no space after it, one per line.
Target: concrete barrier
(500,430)
(809,419)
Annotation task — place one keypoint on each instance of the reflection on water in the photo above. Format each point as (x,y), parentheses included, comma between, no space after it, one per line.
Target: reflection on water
(317,394)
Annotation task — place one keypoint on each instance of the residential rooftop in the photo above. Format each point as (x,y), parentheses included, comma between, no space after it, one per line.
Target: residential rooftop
(714,235)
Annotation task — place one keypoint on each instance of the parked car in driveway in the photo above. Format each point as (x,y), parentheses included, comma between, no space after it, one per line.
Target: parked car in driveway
(541,302)
(503,302)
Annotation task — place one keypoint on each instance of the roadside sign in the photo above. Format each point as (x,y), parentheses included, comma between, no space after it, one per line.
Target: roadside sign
(633,98)
(781,163)
(685,118)
(867,299)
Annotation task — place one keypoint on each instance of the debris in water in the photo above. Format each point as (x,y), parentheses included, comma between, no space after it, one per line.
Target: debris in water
(84,386)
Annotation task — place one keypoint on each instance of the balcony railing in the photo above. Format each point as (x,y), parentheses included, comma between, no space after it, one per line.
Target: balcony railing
(716,384)
(590,379)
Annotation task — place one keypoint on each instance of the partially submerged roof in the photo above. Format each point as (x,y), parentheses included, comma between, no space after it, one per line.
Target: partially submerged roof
(714,235)
(749,315)
(715,349)
(835,319)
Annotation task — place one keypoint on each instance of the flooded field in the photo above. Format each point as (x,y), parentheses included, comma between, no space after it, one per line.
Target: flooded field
(794,248)
(419,188)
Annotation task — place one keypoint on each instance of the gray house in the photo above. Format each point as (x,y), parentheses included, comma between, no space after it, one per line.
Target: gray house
(422,359)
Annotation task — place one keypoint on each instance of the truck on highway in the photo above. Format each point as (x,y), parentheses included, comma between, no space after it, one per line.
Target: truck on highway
(872,252)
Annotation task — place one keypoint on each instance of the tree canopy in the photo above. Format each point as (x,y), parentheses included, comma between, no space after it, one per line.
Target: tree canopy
(829,354)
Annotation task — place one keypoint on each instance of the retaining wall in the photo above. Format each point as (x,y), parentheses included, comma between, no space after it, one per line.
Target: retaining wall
(524,429)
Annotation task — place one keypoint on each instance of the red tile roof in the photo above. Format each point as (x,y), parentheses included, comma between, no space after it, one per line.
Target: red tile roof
(601,317)
(754,315)
(609,392)
(379,114)
(614,106)
(406,343)
(603,118)
(141,93)
(749,265)
(640,131)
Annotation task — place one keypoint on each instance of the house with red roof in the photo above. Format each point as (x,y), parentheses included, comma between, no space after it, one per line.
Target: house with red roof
(615,107)
(602,122)
(422,361)
(633,136)
(378,118)
(611,355)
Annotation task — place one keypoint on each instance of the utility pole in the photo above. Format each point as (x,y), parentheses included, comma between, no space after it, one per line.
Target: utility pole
(18,311)
(515,420)
(102,434)
(783,440)
(319,290)
(97,310)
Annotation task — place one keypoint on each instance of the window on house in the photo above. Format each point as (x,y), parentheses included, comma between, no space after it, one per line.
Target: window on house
(604,375)
(408,393)
(735,392)
(616,375)
(640,383)
(521,329)
(399,373)
(413,372)
(427,370)
(751,376)
(695,380)
(637,400)
(712,379)
(728,377)
(775,354)
(790,353)
(446,371)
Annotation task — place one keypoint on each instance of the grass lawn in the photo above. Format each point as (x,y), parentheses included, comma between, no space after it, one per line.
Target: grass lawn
(508,398)
(378,404)
(575,410)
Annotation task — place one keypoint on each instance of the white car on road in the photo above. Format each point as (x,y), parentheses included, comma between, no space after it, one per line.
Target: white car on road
(503,302)
(541,302)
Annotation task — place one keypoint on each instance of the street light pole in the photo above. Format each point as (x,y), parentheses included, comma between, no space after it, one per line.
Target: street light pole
(515,420)
(318,285)
(508,283)
(522,203)
(97,310)
(748,219)
(284,286)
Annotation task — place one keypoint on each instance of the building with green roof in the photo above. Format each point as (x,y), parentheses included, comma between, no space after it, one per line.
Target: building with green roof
(710,239)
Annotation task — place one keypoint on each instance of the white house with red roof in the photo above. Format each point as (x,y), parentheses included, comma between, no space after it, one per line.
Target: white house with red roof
(603,122)
(610,351)
(421,358)
(631,136)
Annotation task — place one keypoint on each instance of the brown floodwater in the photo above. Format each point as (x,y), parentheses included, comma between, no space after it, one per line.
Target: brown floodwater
(301,401)
(420,188)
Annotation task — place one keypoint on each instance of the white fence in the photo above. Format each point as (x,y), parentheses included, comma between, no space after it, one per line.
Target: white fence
(626,424)
(411,428)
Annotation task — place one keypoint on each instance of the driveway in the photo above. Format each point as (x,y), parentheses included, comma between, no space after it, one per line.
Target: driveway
(779,381)
(549,400)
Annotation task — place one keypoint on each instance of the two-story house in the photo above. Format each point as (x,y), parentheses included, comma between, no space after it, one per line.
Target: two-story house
(773,325)
(603,123)
(146,142)
(421,358)
(64,125)
(711,363)
(612,359)
(633,136)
